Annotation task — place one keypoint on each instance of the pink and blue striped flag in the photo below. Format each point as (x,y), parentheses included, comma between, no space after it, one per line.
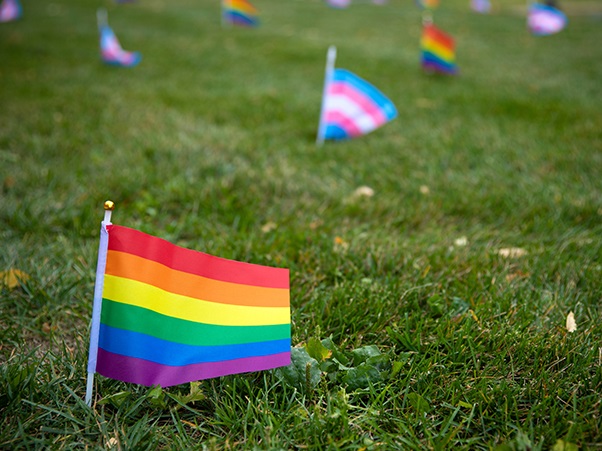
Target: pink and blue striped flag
(240,12)
(339,4)
(352,107)
(165,315)
(111,51)
(10,10)
(544,20)
(481,6)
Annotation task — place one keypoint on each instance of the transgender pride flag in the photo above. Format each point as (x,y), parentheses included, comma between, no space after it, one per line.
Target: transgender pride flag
(543,20)
(351,106)
(339,4)
(10,10)
(110,49)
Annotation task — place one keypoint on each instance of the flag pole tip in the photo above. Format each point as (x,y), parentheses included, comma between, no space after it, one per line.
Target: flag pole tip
(109,205)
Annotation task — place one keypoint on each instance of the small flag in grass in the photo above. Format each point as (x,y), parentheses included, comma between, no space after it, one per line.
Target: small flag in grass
(481,6)
(351,106)
(166,315)
(427,4)
(110,49)
(339,4)
(544,20)
(438,51)
(240,12)
(10,10)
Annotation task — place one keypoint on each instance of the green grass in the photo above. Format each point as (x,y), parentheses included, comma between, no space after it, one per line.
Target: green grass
(447,343)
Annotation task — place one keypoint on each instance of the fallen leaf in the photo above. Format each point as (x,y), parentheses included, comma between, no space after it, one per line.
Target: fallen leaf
(340,244)
(571,325)
(512,252)
(12,278)
(268,227)
(363,191)
(424,189)
(462,241)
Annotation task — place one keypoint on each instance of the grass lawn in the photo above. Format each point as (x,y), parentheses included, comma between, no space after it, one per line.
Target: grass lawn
(428,315)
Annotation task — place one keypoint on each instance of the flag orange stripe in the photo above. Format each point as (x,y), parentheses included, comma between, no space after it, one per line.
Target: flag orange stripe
(442,51)
(129,266)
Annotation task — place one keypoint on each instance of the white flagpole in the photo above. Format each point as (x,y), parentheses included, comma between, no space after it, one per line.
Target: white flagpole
(96,308)
(101,18)
(330,60)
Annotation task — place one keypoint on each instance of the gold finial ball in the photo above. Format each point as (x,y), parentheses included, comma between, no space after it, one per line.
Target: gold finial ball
(109,205)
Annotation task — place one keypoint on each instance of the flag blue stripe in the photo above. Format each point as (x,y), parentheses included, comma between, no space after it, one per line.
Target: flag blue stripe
(428,57)
(142,346)
(379,99)
(335,132)
(240,19)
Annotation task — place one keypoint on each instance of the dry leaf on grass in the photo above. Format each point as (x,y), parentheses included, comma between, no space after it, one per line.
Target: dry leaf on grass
(363,191)
(12,278)
(512,252)
(571,325)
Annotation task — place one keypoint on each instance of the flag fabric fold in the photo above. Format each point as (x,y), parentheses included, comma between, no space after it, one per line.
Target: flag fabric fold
(353,107)
(172,315)
(10,10)
(111,51)
(240,12)
(438,51)
(544,20)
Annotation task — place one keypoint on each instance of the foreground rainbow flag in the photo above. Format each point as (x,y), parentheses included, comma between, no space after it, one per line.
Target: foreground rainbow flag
(10,10)
(438,51)
(169,315)
(240,12)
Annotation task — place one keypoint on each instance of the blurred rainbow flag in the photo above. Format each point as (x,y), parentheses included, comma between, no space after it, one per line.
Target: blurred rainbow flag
(10,10)
(110,49)
(169,315)
(351,106)
(240,12)
(427,4)
(438,51)
(543,20)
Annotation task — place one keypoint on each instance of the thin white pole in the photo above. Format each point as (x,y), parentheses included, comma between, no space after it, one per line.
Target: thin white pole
(331,57)
(102,19)
(97,306)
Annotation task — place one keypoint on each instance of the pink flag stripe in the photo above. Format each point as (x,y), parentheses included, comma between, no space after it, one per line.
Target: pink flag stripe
(367,105)
(348,124)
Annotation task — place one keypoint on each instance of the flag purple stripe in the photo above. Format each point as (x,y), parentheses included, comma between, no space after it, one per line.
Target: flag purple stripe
(143,372)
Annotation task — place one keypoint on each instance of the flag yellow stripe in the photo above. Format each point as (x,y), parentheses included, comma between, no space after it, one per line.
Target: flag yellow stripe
(436,48)
(140,294)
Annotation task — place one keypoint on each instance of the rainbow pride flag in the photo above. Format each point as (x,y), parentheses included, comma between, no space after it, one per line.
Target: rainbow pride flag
(544,20)
(171,315)
(352,107)
(438,51)
(427,4)
(240,12)
(10,10)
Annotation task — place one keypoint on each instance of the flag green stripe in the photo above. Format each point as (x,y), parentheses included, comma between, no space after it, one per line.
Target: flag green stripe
(137,319)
